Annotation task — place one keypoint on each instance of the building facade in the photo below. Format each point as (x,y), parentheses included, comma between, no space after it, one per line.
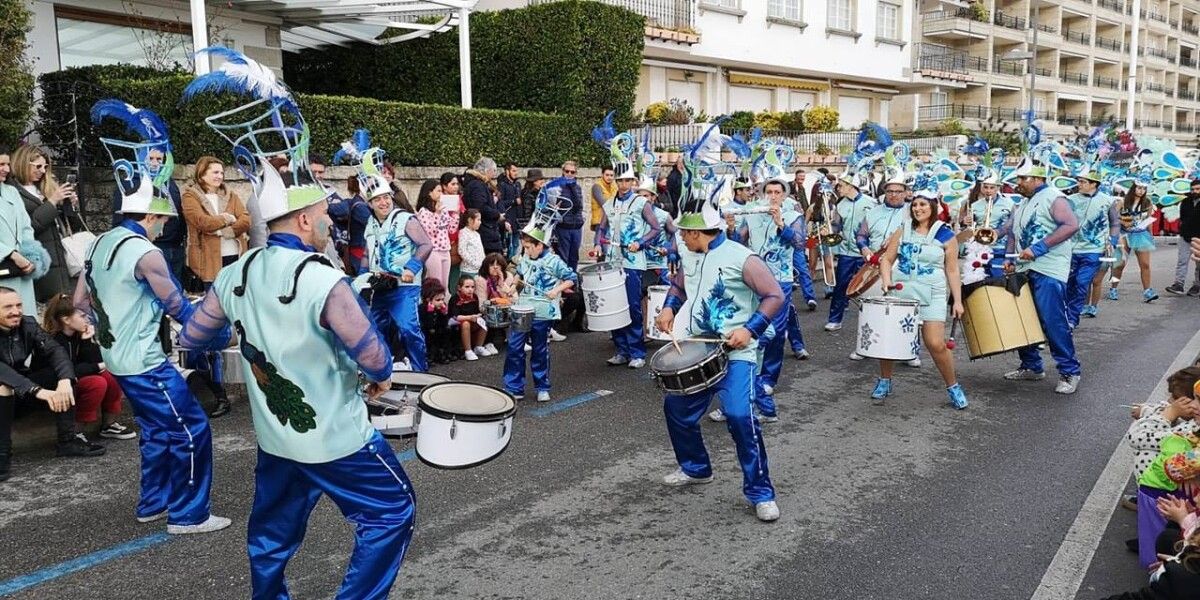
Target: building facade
(978,58)
(781,55)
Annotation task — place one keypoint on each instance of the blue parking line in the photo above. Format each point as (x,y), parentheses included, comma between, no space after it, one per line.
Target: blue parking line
(86,561)
(568,403)
(406,456)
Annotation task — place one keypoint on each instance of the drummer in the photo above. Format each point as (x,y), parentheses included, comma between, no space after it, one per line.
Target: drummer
(880,223)
(985,192)
(742,298)
(847,216)
(658,252)
(542,277)
(1098,213)
(922,256)
(636,227)
(1039,232)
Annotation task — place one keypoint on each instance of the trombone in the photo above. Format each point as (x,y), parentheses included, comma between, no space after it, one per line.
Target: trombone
(827,238)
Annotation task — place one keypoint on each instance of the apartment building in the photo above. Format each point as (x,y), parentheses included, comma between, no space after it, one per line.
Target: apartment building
(978,61)
(729,55)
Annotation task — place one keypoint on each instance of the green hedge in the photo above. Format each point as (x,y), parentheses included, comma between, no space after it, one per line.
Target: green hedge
(412,134)
(571,57)
(16,82)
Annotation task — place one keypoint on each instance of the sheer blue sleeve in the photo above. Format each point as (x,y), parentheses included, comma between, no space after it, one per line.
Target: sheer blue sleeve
(795,234)
(1114,223)
(652,221)
(757,276)
(152,271)
(208,327)
(83,299)
(1068,224)
(1004,232)
(345,315)
(862,237)
(677,294)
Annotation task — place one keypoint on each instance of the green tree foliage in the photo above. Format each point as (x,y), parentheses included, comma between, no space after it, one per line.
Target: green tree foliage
(16,81)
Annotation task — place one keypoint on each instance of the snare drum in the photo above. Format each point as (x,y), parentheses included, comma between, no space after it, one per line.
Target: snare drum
(462,425)
(521,318)
(694,367)
(230,367)
(496,316)
(887,328)
(995,321)
(607,306)
(656,297)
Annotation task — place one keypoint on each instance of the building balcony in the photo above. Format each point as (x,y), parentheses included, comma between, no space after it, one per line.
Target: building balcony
(1113,5)
(1154,16)
(1187,62)
(1191,28)
(1106,82)
(1074,78)
(1186,94)
(672,20)
(1185,127)
(1109,44)
(1154,88)
(941,62)
(941,112)
(1149,123)
(960,23)
(1077,37)
(1010,22)
(1015,68)
(1073,119)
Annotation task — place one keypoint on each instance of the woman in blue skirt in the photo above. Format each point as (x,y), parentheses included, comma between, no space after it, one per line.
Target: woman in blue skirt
(1137,213)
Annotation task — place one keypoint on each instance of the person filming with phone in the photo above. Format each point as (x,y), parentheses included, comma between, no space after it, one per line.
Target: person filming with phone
(53,213)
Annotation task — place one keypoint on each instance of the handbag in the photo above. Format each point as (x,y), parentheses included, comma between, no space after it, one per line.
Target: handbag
(75,247)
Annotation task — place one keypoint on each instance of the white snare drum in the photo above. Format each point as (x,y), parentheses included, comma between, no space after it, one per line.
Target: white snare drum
(655,299)
(462,425)
(522,318)
(888,328)
(607,306)
(394,413)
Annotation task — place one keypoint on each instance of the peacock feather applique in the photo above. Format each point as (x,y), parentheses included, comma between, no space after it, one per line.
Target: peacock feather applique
(395,250)
(1093,231)
(285,399)
(907,260)
(104,334)
(629,236)
(716,309)
(1032,233)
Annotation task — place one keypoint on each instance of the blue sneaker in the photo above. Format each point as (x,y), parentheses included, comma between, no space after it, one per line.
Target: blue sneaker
(1149,296)
(958,398)
(883,389)
(1089,310)
(1112,293)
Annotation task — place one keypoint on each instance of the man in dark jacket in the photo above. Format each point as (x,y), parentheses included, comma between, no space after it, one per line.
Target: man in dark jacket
(20,339)
(1189,228)
(510,205)
(569,233)
(174,234)
(477,194)
(675,184)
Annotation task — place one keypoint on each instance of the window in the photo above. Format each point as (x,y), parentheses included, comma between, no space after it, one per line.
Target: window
(939,98)
(852,111)
(749,98)
(840,16)
(801,100)
(784,9)
(86,38)
(887,20)
(732,4)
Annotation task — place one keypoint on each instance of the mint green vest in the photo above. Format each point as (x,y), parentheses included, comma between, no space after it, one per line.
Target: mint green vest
(654,260)
(304,390)
(766,242)
(541,275)
(852,213)
(1031,224)
(391,248)
(883,221)
(720,301)
(626,226)
(920,265)
(1092,213)
(1002,208)
(128,313)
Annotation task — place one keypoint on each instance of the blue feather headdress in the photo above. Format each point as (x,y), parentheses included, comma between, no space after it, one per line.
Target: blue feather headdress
(131,158)
(869,148)
(621,146)
(351,150)
(704,179)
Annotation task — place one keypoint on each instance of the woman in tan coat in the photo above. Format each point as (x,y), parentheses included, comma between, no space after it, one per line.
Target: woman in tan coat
(217,221)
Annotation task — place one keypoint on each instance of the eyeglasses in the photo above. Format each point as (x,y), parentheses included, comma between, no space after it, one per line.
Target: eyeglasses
(566,172)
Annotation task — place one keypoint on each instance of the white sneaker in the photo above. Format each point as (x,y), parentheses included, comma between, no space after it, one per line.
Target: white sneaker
(618,359)
(914,363)
(556,336)
(766,511)
(528,348)
(470,355)
(491,349)
(855,355)
(768,390)
(717,416)
(481,351)
(833,326)
(766,419)
(637,363)
(1024,375)
(401,366)
(214,523)
(152,518)
(1067,384)
(679,478)
(543,396)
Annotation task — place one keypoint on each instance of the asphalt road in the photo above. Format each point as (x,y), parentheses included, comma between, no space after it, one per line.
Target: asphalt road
(909,500)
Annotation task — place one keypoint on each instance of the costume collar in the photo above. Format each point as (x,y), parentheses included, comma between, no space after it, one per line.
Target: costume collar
(133,226)
(288,240)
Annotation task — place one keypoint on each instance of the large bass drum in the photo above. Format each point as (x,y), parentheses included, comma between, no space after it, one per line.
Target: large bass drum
(999,316)
(462,425)
(605,302)
(887,328)
(692,367)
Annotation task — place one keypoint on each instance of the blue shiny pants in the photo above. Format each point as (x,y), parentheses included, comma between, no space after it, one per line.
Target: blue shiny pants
(1049,297)
(369,487)
(539,360)
(629,339)
(683,425)
(845,269)
(795,337)
(772,356)
(208,363)
(176,445)
(567,245)
(395,314)
(803,276)
(1083,270)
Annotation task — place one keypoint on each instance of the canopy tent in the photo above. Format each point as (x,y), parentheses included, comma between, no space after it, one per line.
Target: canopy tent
(316,23)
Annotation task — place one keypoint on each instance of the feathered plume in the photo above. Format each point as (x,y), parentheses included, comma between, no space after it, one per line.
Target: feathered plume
(351,150)
(976,147)
(141,122)
(240,75)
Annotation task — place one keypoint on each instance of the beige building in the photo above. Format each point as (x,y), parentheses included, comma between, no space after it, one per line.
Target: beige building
(976,58)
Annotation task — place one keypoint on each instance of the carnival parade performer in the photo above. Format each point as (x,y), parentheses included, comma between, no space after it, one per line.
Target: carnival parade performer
(1136,215)
(542,277)
(989,209)
(847,216)
(660,252)
(1098,215)
(125,288)
(304,335)
(922,257)
(734,296)
(1039,235)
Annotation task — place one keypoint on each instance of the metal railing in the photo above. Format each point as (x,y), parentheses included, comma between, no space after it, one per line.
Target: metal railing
(1109,44)
(1185,127)
(675,137)
(1191,28)
(1010,22)
(1078,37)
(1073,119)
(1148,123)
(668,14)
(1154,87)
(1186,94)
(1043,71)
(1008,67)
(1108,82)
(941,112)
(1112,5)
(1075,78)
(1125,86)
(1187,62)
(935,57)
(1156,52)
(1047,28)
(1155,16)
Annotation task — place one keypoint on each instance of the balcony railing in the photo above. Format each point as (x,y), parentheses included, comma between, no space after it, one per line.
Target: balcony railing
(1154,87)
(1174,23)
(1047,28)
(1108,44)
(1078,37)
(668,136)
(1106,82)
(1113,5)
(1073,119)
(1155,16)
(941,112)
(1185,127)
(1008,67)
(1191,28)
(1010,22)
(935,57)
(1043,72)
(1148,123)
(1075,78)
(668,14)
(1156,52)
(1186,94)
(1125,86)
(1185,61)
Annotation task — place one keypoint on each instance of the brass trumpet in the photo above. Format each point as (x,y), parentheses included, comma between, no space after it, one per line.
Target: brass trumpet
(986,235)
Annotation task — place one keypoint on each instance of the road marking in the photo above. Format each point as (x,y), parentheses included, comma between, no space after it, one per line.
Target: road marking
(406,456)
(1070,564)
(86,561)
(568,403)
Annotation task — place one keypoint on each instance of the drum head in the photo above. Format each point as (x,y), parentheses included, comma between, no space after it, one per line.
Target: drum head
(596,269)
(892,301)
(411,380)
(668,359)
(466,402)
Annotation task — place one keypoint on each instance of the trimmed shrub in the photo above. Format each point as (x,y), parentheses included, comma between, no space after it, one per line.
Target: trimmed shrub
(16,82)
(739,120)
(821,118)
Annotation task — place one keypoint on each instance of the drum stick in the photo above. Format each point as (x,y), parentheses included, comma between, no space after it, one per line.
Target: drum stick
(676,343)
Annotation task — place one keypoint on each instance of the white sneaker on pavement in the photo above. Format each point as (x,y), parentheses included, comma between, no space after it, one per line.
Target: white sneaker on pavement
(618,359)
(914,363)
(556,336)
(214,523)
(470,355)
(491,349)
(717,416)
(1024,375)
(152,518)
(1067,384)
(543,397)
(481,351)
(679,478)
(855,355)
(833,326)
(766,511)
(637,363)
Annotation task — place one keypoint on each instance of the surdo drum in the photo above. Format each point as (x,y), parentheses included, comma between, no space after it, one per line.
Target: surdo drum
(521,317)
(694,367)
(605,302)
(888,328)
(462,425)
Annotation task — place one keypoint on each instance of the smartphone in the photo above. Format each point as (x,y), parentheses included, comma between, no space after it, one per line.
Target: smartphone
(72,178)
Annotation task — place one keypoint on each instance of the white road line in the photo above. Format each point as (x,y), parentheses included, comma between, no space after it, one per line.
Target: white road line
(1070,564)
